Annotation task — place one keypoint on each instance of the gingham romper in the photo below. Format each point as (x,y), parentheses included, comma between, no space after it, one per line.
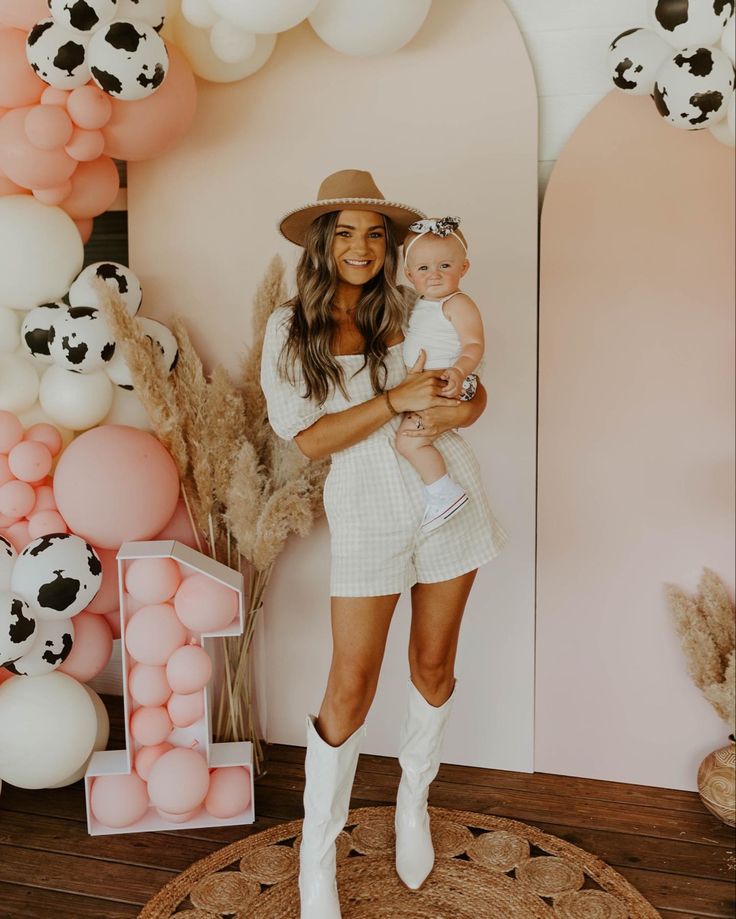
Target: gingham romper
(374,499)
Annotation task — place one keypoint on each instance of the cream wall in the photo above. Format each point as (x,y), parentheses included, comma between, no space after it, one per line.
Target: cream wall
(636,440)
(449,123)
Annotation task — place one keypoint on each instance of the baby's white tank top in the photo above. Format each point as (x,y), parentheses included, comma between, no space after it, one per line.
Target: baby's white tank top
(431,330)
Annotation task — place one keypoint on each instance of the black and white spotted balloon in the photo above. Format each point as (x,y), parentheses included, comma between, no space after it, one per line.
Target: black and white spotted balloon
(117,277)
(57,575)
(693,88)
(17,628)
(51,647)
(81,340)
(84,16)
(634,58)
(127,59)
(8,556)
(152,12)
(36,328)
(57,55)
(163,339)
(690,22)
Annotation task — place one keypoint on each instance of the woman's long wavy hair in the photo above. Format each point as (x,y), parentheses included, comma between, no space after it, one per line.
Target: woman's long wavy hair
(379,316)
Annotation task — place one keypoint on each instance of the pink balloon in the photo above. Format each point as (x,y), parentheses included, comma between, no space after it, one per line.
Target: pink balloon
(44,523)
(146,128)
(147,756)
(148,685)
(48,127)
(85,226)
(179,527)
(177,818)
(92,648)
(53,196)
(25,164)
(10,188)
(150,725)
(113,620)
(30,461)
(47,434)
(179,781)
(5,675)
(5,474)
(89,107)
(22,14)
(19,85)
(154,633)
(11,431)
(85,146)
(230,792)
(44,499)
(186,710)
(94,188)
(119,800)
(53,96)
(152,580)
(189,669)
(17,534)
(205,605)
(16,499)
(114,484)
(107,598)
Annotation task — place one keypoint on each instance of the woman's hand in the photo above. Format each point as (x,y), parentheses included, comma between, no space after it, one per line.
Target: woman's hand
(420,389)
(437,420)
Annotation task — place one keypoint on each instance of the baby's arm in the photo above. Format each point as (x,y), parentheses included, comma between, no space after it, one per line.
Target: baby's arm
(465,317)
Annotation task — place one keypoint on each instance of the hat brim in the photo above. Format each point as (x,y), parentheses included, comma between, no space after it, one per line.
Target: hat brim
(294,225)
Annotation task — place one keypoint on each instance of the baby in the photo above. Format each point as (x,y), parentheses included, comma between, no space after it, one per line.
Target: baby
(446,324)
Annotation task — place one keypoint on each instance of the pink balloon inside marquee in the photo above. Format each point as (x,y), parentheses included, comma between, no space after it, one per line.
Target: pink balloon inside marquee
(148,684)
(147,756)
(179,781)
(152,580)
(229,793)
(205,605)
(119,800)
(150,725)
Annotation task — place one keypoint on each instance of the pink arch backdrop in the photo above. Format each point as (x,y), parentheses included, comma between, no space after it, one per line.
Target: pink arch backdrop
(636,441)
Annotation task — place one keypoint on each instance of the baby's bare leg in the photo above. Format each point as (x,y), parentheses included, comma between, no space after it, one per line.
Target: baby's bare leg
(420,452)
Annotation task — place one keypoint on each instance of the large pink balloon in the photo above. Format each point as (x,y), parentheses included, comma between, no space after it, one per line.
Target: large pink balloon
(19,85)
(25,164)
(22,14)
(114,484)
(146,128)
(94,187)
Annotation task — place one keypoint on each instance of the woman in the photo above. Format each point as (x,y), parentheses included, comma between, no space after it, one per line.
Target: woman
(335,382)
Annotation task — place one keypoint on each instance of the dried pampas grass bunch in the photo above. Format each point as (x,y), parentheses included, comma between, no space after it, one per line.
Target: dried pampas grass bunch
(245,489)
(706,624)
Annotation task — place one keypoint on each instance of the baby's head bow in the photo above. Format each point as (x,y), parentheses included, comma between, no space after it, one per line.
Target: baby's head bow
(438,226)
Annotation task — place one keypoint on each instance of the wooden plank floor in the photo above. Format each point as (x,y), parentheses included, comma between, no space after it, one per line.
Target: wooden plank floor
(665,843)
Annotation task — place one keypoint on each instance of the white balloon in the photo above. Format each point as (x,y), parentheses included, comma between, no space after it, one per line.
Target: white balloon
(728,40)
(38,366)
(19,385)
(80,339)
(196,47)
(41,252)
(164,338)
(152,12)
(230,43)
(722,132)
(689,22)
(128,59)
(119,278)
(693,87)
(199,13)
(49,728)
(128,409)
(101,738)
(85,17)
(264,18)
(362,29)
(58,54)
(9,330)
(634,58)
(75,400)
(8,556)
(36,328)
(52,644)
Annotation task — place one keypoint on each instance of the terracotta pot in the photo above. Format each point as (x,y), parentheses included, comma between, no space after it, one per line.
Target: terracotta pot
(717,782)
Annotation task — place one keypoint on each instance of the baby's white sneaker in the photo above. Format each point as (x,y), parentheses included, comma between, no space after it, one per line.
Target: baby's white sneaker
(444,499)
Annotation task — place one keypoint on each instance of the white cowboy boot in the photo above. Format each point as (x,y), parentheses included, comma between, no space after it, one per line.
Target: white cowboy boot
(419,754)
(329,779)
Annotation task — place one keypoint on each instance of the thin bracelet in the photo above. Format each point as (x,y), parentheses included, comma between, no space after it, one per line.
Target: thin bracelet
(388,402)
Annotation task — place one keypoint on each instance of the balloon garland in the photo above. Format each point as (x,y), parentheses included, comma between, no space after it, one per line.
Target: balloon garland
(692,88)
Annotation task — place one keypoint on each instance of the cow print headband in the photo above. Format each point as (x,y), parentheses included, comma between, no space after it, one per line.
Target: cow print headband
(438,226)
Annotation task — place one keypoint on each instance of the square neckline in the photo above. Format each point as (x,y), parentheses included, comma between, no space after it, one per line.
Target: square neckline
(360,353)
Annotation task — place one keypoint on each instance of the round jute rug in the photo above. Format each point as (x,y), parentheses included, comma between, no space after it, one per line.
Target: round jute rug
(486,868)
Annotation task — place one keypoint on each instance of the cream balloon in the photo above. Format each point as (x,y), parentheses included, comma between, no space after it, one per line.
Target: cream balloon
(41,252)
(723,130)
(128,409)
(195,45)
(199,13)
(49,729)
(363,29)
(728,39)
(264,18)
(9,329)
(75,400)
(101,738)
(230,43)
(18,383)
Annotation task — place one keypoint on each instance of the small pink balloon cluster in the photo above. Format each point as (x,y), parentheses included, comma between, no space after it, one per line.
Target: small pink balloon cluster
(27,505)
(165,685)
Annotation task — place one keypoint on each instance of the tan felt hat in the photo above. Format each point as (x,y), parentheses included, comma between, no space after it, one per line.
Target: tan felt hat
(348,190)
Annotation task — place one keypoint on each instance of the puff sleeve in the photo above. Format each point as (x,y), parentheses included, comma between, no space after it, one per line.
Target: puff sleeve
(289,412)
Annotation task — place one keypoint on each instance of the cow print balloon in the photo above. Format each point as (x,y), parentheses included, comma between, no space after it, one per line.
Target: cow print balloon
(36,328)
(634,58)
(57,55)
(693,88)
(128,60)
(85,16)
(51,647)
(81,340)
(58,575)
(117,277)
(690,22)
(152,12)
(8,556)
(164,340)
(17,628)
